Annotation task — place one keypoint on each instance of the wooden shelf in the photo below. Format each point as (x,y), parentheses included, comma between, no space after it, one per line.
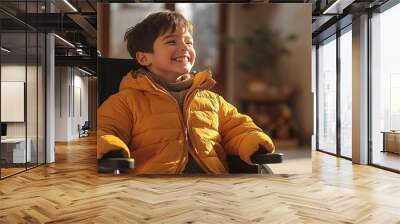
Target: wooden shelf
(286,143)
(272,113)
(266,97)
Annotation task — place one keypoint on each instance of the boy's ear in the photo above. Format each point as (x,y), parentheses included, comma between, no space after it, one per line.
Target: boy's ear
(143,58)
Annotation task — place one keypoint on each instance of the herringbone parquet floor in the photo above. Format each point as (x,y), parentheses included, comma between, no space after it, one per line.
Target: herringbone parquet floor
(70,191)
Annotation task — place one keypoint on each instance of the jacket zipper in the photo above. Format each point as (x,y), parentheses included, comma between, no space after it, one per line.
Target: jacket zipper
(184,127)
(204,167)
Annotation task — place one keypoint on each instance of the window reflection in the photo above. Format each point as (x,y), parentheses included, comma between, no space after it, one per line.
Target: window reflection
(327,96)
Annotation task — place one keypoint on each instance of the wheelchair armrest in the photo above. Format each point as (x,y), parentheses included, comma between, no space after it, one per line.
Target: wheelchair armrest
(267,158)
(114,162)
(262,156)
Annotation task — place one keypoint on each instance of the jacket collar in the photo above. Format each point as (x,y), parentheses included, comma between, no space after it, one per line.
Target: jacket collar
(141,81)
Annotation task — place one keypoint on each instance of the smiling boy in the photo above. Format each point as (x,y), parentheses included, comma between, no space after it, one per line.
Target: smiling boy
(166,118)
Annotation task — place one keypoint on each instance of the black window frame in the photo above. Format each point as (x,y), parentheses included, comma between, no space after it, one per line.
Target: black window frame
(380,9)
(333,33)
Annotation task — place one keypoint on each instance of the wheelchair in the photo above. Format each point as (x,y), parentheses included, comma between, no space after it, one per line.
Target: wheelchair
(109,74)
(115,163)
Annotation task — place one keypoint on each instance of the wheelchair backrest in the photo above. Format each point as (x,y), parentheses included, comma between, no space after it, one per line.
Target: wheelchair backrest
(109,75)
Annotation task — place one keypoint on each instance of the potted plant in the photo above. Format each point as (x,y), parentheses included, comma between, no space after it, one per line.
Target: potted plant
(261,50)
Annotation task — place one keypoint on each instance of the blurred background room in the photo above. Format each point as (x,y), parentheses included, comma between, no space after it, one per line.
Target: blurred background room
(259,54)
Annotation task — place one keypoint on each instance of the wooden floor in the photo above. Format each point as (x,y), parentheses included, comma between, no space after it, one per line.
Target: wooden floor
(387,159)
(10,171)
(70,191)
(5,172)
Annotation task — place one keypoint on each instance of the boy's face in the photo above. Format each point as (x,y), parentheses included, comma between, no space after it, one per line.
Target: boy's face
(173,55)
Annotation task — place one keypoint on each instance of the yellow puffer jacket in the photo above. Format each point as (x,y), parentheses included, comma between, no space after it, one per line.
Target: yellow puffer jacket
(147,122)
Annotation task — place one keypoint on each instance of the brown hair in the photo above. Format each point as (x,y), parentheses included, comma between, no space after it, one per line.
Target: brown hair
(142,36)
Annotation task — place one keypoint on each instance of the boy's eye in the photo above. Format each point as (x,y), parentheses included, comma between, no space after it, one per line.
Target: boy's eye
(173,42)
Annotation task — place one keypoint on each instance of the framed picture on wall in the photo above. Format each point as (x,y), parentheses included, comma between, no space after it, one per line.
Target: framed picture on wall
(12,101)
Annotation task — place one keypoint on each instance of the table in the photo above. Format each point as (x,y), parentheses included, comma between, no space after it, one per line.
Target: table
(391,141)
(13,150)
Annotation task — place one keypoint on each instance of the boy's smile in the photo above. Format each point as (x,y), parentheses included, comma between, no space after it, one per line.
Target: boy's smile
(173,55)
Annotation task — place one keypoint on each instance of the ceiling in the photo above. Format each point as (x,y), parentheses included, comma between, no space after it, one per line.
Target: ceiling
(76,22)
(72,20)
(327,13)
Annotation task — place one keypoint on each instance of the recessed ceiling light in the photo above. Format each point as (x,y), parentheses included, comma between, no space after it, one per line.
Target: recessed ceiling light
(64,40)
(337,7)
(70,5)
(84,71)
(5,49)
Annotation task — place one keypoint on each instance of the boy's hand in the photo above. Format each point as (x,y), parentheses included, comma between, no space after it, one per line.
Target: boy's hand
(261,150)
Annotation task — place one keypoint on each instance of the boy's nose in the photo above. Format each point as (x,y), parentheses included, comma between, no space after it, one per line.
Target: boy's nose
(184,47)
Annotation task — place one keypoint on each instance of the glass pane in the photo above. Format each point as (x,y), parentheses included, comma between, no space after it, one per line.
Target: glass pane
(31,98)
(346,94)
(13,85)
(327,96)
(386,89)
(314,81)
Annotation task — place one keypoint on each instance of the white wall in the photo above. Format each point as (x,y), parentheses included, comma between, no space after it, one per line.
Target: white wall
(61,103)
(71,94)
(33,126)
(13,73)
(80,103)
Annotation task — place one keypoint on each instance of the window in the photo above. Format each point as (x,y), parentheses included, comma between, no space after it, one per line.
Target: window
(385,86)
(327,95)
(22,66)
(333,137)
(346,92)
(122,17)
(205,19)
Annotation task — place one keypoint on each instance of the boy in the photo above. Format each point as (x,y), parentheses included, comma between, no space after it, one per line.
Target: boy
(166,118)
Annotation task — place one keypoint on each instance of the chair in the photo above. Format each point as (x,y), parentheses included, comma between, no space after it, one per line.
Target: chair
(110,73)
(84,129)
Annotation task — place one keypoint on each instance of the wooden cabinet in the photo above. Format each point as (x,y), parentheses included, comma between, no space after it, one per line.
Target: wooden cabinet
(391,141)
(273,113)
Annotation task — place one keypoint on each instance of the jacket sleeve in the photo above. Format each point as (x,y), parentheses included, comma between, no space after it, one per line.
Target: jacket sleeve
(114,126)
(240,136)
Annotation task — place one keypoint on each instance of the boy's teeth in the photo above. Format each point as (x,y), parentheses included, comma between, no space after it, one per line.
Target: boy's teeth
(182,59)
